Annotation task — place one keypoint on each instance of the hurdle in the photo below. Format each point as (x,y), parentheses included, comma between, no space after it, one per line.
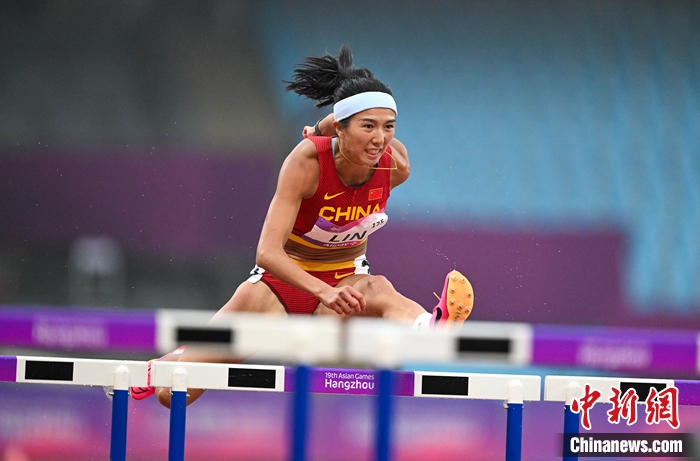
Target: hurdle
(115,374)
(568,388)
(307,341)
(387,346)
(382,384)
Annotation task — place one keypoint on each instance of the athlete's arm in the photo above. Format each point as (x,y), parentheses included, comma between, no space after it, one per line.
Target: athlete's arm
(298,179)
(325,126)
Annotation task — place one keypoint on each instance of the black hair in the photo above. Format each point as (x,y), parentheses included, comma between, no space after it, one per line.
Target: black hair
(328,79)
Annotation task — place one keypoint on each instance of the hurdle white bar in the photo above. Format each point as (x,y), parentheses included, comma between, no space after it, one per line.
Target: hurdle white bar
(568,388)
(302,339)
(83,372)
(219,376)
(387,344)
(169,324)
(369,340)
(481,386)
(496,342)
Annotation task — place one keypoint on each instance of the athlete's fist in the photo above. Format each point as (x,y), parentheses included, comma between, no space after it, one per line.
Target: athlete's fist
(308,131)
(343,300)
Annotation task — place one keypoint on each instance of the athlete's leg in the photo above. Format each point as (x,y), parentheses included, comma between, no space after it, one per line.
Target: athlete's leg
(381,299)
(249,297)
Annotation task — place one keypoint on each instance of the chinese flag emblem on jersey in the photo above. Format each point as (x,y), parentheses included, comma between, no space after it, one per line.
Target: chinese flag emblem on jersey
(376,194)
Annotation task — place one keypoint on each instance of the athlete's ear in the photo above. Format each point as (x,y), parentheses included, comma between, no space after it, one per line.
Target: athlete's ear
(338,129)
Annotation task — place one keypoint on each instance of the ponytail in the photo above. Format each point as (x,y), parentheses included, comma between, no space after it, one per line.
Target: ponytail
(328,79)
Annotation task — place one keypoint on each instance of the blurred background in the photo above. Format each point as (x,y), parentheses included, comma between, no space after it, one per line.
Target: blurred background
(555,149)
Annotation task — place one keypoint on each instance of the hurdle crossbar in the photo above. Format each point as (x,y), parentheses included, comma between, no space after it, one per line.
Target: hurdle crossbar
(292,338)
(567,388)
(118,375)
(383,384)
(367,340)
(273,378)
(81,372)
(302,339)
(497,342)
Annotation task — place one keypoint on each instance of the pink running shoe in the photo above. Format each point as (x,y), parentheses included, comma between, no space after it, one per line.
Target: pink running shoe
(455,304)
(140,393)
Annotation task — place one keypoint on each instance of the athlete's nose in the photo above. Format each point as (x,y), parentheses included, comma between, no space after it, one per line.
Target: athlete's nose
(378,137)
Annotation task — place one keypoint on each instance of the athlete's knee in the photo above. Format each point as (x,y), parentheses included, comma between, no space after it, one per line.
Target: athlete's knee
(378,285)
(163,396)
(246,298)
(241,299)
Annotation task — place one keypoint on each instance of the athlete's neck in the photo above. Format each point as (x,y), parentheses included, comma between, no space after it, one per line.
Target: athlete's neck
(351,173)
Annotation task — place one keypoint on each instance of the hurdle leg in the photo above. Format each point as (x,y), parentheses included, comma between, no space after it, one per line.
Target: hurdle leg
(178,408)
(120,407)
(571,426)
(384,414)
(300,414)
(514,424)
(571,419)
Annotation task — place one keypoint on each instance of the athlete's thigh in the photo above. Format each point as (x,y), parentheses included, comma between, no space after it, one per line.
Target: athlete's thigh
(253,297)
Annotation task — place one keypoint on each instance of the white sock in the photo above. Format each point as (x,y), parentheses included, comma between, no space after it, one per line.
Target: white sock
(422,322)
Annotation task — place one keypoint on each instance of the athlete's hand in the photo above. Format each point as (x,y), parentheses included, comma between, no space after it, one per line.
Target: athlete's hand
(343,300)
(308,131)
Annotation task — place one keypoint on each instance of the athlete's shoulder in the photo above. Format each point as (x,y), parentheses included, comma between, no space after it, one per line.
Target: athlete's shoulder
(403,166)
(301,168)
(398,148)
(322,143)
(303,153)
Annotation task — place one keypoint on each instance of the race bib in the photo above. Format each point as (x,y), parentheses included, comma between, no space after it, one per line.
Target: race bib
(329,235)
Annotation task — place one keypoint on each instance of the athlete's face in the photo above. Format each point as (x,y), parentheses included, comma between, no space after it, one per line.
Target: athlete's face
(368,135)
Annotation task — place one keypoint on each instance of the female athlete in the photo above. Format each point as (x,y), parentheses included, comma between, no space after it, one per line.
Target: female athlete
(331,194)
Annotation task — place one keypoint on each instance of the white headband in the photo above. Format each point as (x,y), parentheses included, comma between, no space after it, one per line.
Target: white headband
(363,101)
